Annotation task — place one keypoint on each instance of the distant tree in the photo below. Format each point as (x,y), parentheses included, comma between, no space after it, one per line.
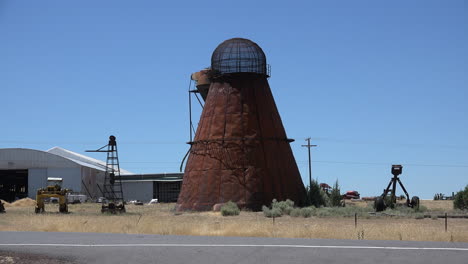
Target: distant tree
(460,200)
(316,195)
(439,196)
(335,195)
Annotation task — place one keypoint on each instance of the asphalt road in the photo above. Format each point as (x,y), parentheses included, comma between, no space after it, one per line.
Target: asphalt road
(43,247)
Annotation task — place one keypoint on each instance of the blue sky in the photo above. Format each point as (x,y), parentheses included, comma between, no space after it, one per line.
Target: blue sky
(373,83)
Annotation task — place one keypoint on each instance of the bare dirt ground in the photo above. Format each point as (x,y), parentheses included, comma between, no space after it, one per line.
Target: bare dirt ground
(161,219)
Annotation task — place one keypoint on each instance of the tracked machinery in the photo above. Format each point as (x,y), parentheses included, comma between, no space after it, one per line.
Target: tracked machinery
(53,190)
(382,202)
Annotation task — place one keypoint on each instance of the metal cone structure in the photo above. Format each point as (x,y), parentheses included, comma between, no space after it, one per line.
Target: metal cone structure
(240,152)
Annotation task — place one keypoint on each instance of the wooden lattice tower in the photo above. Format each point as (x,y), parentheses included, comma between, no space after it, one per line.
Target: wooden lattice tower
(112,189)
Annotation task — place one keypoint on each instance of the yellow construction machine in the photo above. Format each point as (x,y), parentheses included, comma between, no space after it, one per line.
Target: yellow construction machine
(53,190)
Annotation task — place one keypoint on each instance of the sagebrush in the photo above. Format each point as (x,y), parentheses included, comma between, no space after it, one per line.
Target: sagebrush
(230,208)
(278,208)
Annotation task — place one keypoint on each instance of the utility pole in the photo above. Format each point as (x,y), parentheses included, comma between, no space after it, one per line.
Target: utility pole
(310,162)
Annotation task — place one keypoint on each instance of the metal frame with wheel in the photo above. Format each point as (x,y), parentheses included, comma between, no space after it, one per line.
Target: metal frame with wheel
(380,202)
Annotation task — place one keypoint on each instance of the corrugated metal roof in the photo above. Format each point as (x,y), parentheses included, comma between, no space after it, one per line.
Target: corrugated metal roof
(83,160)
(21,158)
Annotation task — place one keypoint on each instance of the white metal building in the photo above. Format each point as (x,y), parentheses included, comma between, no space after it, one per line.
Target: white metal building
(23,171)
(162,186)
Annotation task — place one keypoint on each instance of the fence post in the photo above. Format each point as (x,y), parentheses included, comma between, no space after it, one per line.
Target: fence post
(445,222)
(355,220)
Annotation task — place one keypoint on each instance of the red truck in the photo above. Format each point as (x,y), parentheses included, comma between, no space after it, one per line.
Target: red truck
(351,195)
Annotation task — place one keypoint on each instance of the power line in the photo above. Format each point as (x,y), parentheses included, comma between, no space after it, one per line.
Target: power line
(323,161)
(367,142)
(146,162)
(388,163)
(181,142)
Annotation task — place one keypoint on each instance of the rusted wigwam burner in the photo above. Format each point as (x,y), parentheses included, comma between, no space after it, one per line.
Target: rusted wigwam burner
(240,152)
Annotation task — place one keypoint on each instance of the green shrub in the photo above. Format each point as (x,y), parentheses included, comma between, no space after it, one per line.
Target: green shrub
(296,212)
(273,212)
(460,200)
(324,212)
(421,209)
(335,196)
(278,208)
(342,211)
(325,198)
(284,206)
(230,208)
(307,212)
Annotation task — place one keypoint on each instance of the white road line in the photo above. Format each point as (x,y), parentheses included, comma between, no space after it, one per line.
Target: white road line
(230,245)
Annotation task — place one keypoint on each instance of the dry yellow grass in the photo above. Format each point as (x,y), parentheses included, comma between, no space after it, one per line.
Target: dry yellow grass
(160,219)
(437,205)
(357,203)
(429,204)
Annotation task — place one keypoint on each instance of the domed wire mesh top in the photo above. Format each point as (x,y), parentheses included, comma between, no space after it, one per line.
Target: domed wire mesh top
(239,55)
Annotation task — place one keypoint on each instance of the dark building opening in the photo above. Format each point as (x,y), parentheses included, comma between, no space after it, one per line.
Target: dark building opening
(13,184)
(166,192)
